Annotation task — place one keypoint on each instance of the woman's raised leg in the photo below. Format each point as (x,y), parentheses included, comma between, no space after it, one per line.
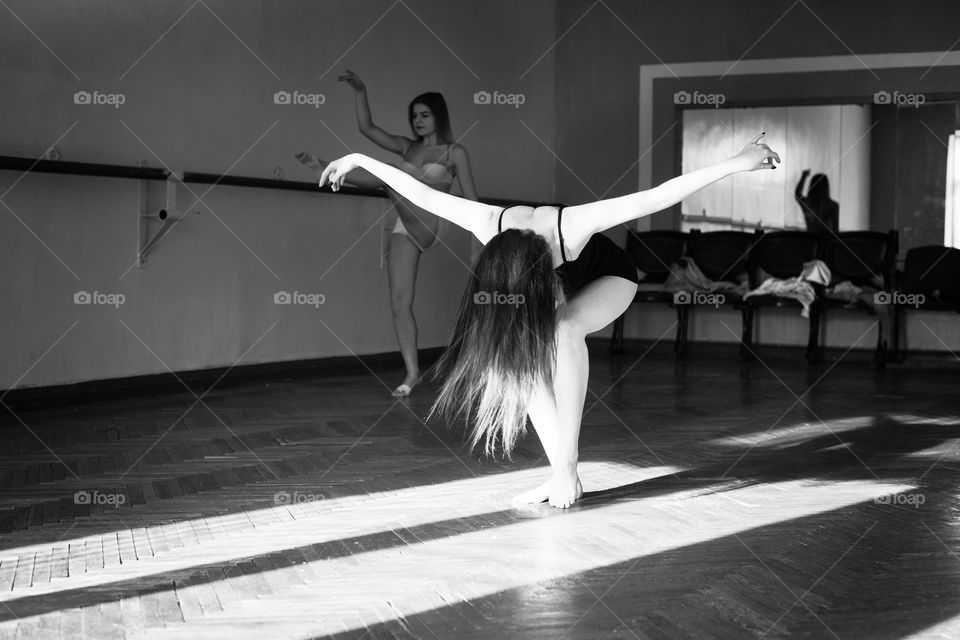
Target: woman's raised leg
(422,225)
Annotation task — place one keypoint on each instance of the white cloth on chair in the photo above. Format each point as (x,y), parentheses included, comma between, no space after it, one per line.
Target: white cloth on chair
(798,288)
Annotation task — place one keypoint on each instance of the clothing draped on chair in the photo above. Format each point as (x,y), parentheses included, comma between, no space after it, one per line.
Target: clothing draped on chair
(799,288)
(686,275)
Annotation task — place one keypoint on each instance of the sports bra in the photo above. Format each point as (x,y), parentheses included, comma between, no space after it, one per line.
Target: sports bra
(434,174)
(560,208)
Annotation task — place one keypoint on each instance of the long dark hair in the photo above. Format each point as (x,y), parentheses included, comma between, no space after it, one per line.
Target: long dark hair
(505,339)
(438,107)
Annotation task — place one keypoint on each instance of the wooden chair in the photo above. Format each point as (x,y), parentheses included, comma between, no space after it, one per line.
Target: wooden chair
(779,254)
(932,272)
(720,256)
(653,252)
(865,259)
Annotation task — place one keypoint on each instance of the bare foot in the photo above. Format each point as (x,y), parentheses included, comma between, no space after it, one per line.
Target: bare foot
(565,488)
(408,384)
(534,496)
(311,161)
(561,490)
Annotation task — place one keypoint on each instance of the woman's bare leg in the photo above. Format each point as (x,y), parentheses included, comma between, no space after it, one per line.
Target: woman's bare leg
(594,307)
(543,415)
(358,177)
(402,266)
(422,225)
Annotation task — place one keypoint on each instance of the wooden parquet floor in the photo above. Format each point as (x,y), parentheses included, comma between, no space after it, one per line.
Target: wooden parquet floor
(723,500)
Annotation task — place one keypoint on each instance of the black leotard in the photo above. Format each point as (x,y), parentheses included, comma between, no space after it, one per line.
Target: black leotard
(600,257)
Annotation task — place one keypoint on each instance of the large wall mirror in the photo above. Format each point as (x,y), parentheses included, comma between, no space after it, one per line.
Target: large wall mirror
(885,162)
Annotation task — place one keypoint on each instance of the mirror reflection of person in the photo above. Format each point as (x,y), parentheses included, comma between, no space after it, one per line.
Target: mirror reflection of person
(821,214)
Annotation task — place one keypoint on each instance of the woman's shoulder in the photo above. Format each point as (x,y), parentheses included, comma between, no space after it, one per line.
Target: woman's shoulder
(456,151)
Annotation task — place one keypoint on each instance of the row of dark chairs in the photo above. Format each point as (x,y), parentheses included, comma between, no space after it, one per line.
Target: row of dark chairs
(864,258)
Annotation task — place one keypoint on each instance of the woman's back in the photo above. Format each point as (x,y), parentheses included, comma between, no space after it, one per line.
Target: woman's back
(820,217)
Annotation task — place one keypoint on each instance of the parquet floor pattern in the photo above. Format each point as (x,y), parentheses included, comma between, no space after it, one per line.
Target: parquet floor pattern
(723,500)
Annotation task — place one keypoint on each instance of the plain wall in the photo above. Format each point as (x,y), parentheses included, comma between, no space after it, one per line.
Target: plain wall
(198,87)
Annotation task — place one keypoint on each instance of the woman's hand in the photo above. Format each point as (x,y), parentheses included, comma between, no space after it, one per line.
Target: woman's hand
(757,155)
(353,80)
(337,170)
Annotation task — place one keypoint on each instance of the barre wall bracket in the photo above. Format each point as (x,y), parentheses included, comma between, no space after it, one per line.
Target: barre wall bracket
(167,216)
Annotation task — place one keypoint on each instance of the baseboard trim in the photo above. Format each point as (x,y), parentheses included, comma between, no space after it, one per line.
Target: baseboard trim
(48,397)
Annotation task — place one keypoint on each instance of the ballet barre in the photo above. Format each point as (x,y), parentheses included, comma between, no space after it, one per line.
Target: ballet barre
(142,172)
(166,214)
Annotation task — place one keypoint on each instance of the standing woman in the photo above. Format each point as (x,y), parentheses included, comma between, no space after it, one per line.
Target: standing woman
(432,157)
(514,356)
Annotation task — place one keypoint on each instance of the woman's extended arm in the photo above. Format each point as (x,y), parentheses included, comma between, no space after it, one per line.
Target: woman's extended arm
(475,217)
(594,217)
(390,142)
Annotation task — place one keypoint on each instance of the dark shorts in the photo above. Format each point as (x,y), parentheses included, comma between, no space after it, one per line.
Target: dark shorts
(600,257)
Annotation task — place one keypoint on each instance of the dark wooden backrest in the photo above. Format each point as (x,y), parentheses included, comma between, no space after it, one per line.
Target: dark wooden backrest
(861,257)
(654,251)
(932,269)
(722,255)
(781,254)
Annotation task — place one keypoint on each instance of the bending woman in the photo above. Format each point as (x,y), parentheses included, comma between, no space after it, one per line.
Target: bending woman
(545,279)
(432,158)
